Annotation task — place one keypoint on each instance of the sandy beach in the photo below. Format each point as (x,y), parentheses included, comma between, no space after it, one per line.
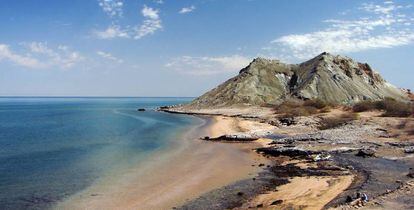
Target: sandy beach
(210,169)
(167,180)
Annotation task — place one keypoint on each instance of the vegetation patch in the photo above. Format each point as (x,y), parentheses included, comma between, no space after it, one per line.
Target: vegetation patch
(369,105)
(295,108)
(391,107)
(395,108)
(334,122)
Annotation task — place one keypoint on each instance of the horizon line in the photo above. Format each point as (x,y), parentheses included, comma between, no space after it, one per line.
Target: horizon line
(97,96)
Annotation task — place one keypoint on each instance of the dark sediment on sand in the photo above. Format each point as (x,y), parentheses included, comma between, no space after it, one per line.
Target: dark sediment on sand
(373,176)
(237,194)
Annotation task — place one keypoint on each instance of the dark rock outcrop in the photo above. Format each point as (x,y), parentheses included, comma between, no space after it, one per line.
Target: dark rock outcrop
(286,151)
(366,152)
(234,138)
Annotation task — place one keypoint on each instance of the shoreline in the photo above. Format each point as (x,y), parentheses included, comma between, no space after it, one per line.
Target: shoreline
(299,181)
(281,180)
(171,178)
(238,175)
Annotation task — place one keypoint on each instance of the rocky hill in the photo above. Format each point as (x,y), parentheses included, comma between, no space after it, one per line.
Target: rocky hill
(331,78)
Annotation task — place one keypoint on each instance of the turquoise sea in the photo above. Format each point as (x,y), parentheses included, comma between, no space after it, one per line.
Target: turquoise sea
(51,148)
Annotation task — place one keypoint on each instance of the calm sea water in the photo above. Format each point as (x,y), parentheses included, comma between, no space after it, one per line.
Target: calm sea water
(51,148)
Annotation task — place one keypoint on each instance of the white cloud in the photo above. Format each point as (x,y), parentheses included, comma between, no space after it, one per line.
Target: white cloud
(113,8)
(112,32)
(159,1)
(150,13)
(151,23)
(387,8)
(208,65)
(382,27)
(185,10)
(21,60)
(109,56)
(38,55)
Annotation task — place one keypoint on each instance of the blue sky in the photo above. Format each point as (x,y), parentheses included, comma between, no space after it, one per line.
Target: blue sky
(184,48)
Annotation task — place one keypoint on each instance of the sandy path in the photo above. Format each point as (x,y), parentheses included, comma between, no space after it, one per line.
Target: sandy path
(195,168)
(305,192)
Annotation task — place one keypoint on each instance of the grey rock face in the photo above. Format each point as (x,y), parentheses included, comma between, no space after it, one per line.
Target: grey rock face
(339,79)
(334,79)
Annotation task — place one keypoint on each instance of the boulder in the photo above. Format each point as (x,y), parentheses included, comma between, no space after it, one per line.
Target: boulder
(287,121)
(366,152)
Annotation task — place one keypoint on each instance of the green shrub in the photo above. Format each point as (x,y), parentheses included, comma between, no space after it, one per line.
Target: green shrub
(317,103)
(395,108)
(391,107)
(334,122)
(366,106)
(294,108)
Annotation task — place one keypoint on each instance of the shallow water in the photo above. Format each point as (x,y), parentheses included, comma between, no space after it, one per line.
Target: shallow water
(52,148)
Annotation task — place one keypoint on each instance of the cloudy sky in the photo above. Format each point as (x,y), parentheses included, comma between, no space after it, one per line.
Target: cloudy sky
(183,48)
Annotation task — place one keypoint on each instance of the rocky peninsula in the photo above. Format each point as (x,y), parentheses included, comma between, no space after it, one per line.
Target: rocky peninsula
(334,133)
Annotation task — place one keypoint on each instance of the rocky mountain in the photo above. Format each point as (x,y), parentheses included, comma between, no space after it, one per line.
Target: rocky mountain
(331,78)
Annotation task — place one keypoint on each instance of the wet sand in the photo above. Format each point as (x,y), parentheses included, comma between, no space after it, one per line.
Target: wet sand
(170,178)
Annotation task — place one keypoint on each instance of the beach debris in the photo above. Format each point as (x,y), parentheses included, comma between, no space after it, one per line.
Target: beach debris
(320,157)
(409,149)
(141,110)
(364,197)
(366,152)
(358,200)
